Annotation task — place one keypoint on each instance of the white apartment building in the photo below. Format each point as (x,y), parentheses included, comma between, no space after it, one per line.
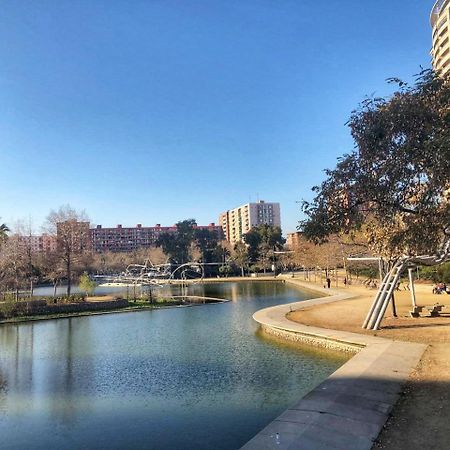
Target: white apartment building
(440,24)
(238,221)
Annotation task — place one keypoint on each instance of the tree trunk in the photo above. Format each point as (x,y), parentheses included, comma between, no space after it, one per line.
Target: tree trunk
(394,309)
(69,276)
(242,271)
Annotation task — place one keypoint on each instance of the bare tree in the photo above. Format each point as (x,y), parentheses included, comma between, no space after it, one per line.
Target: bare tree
(51,268)
(24,231)
(13,264)
(71,229)
(3,232)
(240,256)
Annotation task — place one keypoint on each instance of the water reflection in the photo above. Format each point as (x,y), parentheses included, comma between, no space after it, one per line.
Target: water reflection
(199,377)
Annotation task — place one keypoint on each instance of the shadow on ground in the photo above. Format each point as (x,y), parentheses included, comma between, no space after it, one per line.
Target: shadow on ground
(420,419)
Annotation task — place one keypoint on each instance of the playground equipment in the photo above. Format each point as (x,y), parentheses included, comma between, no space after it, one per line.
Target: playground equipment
(384,294)
(392,279)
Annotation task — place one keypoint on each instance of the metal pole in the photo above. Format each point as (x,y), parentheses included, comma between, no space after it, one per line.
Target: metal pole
(394,309)
(380,269)
(411,287)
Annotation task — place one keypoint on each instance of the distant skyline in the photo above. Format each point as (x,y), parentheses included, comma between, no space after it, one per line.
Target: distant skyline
(158,111)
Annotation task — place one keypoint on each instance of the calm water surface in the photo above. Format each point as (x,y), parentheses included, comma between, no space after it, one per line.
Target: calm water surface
(186,378)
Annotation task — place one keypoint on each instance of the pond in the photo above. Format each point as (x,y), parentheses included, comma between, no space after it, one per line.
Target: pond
(200,377)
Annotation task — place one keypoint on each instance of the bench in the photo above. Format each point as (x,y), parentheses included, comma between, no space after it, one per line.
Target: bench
(434,310)
(416,311)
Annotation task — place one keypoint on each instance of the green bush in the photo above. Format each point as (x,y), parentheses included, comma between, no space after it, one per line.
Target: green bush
(365,272)
(436,274)
(6,310)
(86,284)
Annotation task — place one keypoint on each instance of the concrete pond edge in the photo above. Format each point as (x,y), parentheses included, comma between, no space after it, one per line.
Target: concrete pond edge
(349,409)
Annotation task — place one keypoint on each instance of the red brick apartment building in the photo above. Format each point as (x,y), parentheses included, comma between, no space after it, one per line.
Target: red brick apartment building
(128,239)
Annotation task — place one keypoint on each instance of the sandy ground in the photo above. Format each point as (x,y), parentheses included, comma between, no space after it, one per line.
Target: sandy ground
(421,418)
(100,298)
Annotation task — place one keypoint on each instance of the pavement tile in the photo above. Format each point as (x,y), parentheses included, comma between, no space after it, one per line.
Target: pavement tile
(294,415)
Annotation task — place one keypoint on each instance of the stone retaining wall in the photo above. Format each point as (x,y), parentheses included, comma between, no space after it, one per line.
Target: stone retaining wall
(316,341)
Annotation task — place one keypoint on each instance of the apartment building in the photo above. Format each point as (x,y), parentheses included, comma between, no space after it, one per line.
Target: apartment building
(128,239)
(238,221)
(40,243)
(294,240)
(440,24)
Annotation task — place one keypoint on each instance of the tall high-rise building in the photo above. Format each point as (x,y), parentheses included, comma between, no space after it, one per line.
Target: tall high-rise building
(440,24)
(238,221)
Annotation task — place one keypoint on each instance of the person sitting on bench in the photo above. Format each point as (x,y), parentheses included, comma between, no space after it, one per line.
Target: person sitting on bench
(440,288)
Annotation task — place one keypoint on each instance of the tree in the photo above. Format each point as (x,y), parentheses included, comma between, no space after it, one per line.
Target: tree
(24,232)
(3,232)
(177,245)
(51,268)
(240,256)
(395,185)
(185,236)
(169,245)
(261,241)
(329,254)
(71,229)
(206,241)
(86,284)
(13,264)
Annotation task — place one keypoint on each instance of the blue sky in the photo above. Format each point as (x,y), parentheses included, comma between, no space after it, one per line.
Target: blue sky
(159,110)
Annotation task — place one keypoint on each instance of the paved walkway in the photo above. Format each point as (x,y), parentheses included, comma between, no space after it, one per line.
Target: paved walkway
(348,410)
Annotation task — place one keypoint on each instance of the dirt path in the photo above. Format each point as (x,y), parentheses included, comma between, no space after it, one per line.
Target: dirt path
(420,419)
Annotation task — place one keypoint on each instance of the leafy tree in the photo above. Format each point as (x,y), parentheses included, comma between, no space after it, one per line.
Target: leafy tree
(395,184)
(207,242)
(439,274)
(263,239)
(223,252)
(71,229)
(169,245)
(185,236)
(86,284)
(225,270)
(177,245)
